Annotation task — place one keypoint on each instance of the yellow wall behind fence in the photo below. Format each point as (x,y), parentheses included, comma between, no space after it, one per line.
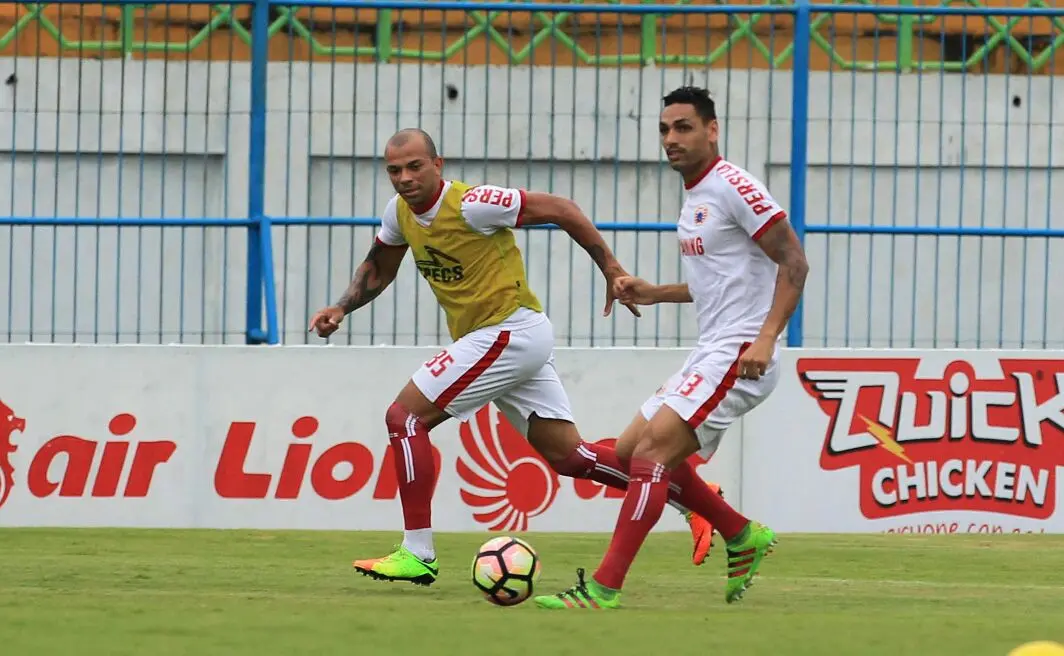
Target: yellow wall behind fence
(852,36)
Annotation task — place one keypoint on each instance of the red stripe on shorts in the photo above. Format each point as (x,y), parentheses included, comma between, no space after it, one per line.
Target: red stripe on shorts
(718,394)
(474,372)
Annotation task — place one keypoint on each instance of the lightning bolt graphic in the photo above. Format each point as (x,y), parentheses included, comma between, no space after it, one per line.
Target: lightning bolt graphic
(886,440)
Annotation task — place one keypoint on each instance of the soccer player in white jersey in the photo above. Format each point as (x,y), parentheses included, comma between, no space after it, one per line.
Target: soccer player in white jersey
(745,270)
(462,241)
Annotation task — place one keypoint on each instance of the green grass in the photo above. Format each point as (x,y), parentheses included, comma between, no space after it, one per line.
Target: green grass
(227,592)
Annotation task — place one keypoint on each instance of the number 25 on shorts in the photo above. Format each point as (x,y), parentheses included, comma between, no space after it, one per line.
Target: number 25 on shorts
(438,364)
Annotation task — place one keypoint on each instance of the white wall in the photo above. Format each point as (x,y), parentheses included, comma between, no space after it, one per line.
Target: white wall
(919,149)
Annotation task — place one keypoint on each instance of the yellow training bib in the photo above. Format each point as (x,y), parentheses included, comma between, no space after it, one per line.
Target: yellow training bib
(479,280)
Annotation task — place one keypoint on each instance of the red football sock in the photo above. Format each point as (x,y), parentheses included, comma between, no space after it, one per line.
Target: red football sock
(640,511)
(696,495)
(415,467)
(687,490)
(596,462)
(601,464)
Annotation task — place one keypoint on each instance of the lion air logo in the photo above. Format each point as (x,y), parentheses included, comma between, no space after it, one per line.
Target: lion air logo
(503,476)
(9,423)
(929,434)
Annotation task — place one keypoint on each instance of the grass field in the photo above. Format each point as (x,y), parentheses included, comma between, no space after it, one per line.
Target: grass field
(241,593)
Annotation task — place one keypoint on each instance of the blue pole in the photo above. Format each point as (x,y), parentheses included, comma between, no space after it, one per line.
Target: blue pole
(266,239)
(258,231)
(799,134)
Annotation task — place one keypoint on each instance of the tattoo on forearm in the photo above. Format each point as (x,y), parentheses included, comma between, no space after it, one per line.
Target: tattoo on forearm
(795,267)
(367,284)
(791,261)
(598,255)
(796,272)
(786,252)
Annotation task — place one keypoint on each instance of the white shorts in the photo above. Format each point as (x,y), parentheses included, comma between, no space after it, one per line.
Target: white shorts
(708,393)
(510,364)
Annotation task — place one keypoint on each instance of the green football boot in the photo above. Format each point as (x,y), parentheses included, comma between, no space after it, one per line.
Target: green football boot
(745,553)
(400,565)
(583,595)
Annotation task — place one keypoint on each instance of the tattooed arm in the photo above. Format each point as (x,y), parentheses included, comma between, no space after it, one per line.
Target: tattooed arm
(541,208)
(375,273)
(372,277)
(781,244)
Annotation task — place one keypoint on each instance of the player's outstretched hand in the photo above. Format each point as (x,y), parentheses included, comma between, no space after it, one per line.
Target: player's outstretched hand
(612,296)
(632,291)
(754,361)
(326,321)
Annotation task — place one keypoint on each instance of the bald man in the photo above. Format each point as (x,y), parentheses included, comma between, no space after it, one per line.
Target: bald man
(463,244)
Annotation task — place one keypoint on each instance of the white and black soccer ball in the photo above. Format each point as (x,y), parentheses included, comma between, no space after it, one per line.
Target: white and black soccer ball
(505,570)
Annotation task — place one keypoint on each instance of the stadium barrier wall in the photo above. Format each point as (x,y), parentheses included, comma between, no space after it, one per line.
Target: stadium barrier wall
(292,438)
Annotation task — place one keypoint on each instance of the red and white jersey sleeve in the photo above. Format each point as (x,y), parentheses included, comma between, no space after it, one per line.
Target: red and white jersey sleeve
(752,206)
(390,234)
(488,208)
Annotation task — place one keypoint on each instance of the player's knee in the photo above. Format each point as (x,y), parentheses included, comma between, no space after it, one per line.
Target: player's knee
(630,437)
(559,443)
(398,418)
(554,439)
(662,444)
(649,445)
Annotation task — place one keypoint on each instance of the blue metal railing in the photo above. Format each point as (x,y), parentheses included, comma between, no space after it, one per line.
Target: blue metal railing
(263,321)
(260,248)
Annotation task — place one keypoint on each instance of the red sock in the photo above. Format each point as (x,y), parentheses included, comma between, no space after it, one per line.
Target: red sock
(601,464)
(696,495)
(596,462)
(415,468)
(640,511)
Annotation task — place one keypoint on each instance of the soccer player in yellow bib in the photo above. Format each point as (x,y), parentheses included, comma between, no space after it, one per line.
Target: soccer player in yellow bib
(503,351)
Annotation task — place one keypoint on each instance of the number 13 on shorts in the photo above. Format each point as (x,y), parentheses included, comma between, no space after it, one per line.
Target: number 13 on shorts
(689,385)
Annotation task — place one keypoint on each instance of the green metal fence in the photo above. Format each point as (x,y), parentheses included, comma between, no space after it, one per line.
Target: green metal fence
(1011,36)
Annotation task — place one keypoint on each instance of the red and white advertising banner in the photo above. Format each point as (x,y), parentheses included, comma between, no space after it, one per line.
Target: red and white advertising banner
(289,437)
(294,437)
(944,441)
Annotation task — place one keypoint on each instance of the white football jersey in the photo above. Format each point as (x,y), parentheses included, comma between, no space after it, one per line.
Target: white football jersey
(731,280)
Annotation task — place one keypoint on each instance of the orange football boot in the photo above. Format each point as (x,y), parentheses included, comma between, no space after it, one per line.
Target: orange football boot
(702,531)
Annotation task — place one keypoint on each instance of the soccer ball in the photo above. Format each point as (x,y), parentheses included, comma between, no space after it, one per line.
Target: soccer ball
(505,570)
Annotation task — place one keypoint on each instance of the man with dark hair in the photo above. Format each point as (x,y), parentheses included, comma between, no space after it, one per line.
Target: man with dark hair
(745,271)
(699,100)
